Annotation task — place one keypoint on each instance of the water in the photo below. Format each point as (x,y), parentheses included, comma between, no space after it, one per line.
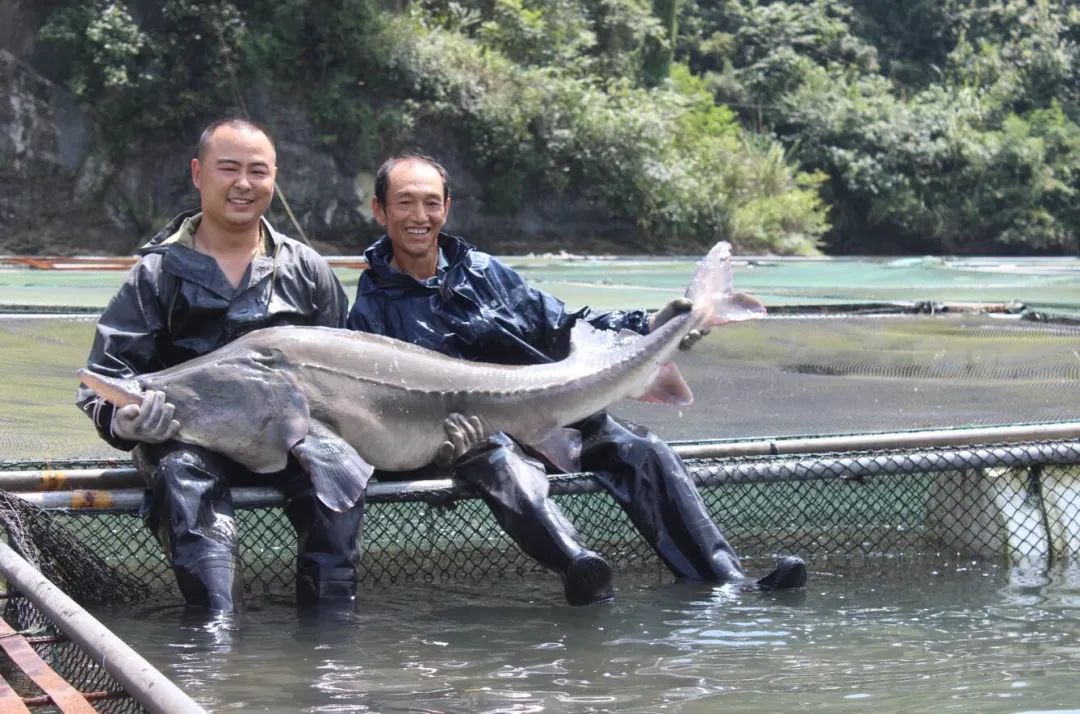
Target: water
(619,282)
(902,636)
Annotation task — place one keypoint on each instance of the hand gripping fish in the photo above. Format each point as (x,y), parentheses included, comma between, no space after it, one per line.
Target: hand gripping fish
(345,403)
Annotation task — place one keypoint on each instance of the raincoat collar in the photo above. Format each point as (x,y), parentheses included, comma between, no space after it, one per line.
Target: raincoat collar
(184,262)
(456,252)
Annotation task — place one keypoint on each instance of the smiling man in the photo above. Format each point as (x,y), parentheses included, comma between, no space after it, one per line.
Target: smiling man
(211,275)
(437,291)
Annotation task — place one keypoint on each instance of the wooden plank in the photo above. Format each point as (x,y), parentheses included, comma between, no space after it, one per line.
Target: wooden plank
(10,701)
(64,696)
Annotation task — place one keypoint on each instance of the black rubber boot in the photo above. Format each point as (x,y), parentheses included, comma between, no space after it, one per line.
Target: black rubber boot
(587,580)
(650,482)
(789,573)
(213,584)
(191,513)
(328,546)
(515,488)
(322,585)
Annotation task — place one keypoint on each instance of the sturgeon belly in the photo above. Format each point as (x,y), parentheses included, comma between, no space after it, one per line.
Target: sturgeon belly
(391,428)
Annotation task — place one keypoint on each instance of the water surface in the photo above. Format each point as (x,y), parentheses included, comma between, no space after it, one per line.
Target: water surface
(901,635)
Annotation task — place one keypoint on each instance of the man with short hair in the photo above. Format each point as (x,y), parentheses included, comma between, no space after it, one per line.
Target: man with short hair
(437,291)
(211,275)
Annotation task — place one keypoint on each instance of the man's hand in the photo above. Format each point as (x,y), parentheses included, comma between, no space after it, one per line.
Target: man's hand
(462,434)
(152,421)
(677,307)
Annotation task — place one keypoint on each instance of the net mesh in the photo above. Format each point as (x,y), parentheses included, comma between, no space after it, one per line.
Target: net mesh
(1015,504)
(1018,502)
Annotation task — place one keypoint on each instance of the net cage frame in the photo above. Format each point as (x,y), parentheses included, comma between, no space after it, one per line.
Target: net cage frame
(1015,503)
(952,498)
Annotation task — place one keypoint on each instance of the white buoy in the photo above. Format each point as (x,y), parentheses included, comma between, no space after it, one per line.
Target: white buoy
(989,513)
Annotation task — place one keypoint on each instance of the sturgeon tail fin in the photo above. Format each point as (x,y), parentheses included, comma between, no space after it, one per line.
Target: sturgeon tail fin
(119,392)
(711,291)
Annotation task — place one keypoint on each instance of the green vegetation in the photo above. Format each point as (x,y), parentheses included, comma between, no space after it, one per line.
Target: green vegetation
(943,125)
(854,125)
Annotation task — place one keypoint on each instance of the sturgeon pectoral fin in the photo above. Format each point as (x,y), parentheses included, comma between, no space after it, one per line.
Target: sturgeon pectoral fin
(338,473)
(668,387)
(562,448)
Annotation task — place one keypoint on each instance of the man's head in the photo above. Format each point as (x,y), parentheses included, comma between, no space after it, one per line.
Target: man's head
(234,171)
(412,201)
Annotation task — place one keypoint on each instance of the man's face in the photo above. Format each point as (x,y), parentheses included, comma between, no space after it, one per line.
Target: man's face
(415,211)
(235,177)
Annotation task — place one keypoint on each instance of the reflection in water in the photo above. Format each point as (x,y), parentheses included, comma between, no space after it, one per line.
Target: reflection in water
(902,635)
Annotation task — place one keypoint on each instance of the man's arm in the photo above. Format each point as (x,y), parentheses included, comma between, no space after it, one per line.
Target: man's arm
(329,298)
(633,320)
(125,344)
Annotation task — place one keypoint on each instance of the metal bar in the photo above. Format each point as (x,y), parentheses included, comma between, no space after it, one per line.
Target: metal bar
(92,481)
(709,475)
(69,479)
(871,442)
(138,677)
(130,500)
(85,500)
(773,470)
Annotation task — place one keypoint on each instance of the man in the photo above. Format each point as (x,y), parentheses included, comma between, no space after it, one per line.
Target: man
(210,276)
(435,290)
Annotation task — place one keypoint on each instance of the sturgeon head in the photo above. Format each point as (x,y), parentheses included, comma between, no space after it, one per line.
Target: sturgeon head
(248,406)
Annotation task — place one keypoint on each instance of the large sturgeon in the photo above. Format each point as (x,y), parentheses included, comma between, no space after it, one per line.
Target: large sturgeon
(345,403)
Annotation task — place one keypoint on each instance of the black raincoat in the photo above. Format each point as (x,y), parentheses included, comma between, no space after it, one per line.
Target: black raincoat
(479,309)
(176,304)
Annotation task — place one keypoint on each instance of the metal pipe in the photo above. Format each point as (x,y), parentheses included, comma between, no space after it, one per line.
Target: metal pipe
(773,470)
(94,480)
(870,442)
(121,488)
(130,500)
(761,470)
(152,689)
(69,479)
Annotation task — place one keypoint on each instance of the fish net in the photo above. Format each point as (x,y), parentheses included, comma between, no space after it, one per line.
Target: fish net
(1016,504)
(45,542)
(59,554)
